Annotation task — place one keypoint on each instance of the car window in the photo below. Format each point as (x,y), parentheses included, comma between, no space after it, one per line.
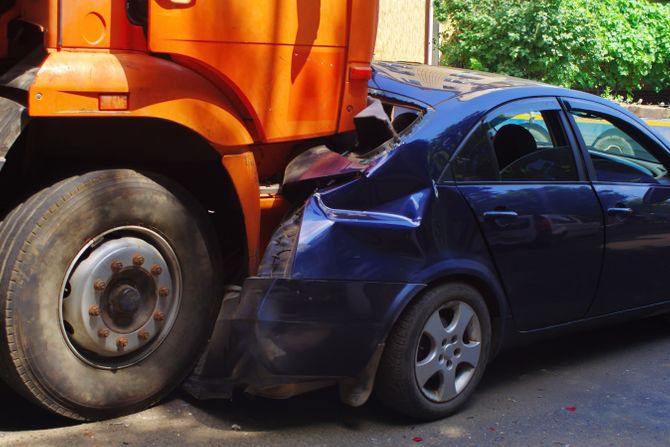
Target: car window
(520,145)
(662,127)
(617,153)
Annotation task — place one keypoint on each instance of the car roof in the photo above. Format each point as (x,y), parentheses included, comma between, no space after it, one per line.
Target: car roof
(475,92)
(435,84)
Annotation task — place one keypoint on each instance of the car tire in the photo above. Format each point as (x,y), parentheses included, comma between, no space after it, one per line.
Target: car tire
(436,353)
(109,287)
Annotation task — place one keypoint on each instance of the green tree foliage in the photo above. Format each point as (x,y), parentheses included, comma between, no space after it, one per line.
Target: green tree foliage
(608,45)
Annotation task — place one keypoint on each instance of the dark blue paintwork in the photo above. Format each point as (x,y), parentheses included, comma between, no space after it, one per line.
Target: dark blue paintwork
(549,256)
(366,247)
(637,254)
(300,327)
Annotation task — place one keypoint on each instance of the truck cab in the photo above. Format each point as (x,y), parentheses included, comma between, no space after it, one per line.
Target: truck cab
(151,113)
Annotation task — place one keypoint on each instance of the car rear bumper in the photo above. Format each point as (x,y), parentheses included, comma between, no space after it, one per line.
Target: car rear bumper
(282,331)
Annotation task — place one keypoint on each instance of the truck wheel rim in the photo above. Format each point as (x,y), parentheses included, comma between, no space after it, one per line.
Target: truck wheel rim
(448,351)
(120,297)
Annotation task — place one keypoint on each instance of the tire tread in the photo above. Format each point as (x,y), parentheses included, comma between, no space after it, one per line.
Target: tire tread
(20,227)
(395,383)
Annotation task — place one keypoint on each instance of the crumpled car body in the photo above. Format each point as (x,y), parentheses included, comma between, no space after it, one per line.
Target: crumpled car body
(346,263)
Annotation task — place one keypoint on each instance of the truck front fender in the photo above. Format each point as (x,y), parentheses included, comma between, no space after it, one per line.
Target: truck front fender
(78,84)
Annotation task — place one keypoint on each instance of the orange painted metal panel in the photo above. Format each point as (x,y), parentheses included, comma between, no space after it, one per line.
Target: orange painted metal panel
(242,171)
(70,84)
(280,22)
(282,109)
(364,18)
(362,36)
(99,24)
(286,59)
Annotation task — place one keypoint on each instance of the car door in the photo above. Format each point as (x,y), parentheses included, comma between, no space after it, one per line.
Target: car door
(629,168)
(539,215)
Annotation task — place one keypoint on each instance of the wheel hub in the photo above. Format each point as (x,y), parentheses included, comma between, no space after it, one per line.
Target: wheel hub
(129,300)
(448,352)
(124,302)
(121,297)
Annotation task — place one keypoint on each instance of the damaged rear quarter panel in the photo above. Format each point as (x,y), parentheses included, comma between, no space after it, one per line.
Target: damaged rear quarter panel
(397,223)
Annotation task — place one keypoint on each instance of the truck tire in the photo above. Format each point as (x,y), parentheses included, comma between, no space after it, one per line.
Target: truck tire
(108,292)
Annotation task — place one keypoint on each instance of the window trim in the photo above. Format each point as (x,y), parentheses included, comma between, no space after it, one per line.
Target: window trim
(548,103)
(608,113)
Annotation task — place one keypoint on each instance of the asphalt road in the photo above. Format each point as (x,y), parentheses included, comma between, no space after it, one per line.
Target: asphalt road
(609,387)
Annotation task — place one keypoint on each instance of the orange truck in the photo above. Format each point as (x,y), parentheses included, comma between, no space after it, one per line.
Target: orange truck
(142,143)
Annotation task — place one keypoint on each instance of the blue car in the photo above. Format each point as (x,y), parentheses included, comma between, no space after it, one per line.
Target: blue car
(473,211)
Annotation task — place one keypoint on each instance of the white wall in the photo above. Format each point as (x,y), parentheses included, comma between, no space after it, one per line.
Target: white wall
(401,35)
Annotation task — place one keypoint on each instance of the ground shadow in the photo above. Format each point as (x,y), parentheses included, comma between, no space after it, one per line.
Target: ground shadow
(19,414)
(323,407)
(586,347)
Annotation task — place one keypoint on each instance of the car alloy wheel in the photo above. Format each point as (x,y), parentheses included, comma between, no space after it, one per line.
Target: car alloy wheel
(448,351)
(436,353)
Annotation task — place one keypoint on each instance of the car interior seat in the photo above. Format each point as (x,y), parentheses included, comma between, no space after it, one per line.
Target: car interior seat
(403,121)
(512,142)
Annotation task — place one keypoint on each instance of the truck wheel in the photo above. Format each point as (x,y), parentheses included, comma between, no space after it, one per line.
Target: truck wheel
(436,353)
(108,292)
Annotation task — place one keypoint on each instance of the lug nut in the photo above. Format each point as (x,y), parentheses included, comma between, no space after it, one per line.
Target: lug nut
(99,285)
(163,291)
(94,311)
(138,260)
(117,266)
(103,333)
(159,316)
(121,343)
(156,270)
(143,335)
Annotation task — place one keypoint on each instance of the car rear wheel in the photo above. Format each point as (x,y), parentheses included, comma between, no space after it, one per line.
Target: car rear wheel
(436,354)
(108,291)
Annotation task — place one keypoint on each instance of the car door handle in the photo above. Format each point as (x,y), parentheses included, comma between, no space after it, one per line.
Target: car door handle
(619,212)
(489,215)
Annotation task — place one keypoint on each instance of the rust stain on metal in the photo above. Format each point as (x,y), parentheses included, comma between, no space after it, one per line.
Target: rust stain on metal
(138,260)
(156,270)
(159,316)
(99,285)
(94,310)
(143,335)
(121,343)
(103,333)
(163,291)
(117,266)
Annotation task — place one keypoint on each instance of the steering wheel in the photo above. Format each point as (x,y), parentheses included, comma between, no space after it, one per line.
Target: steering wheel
(614,142)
